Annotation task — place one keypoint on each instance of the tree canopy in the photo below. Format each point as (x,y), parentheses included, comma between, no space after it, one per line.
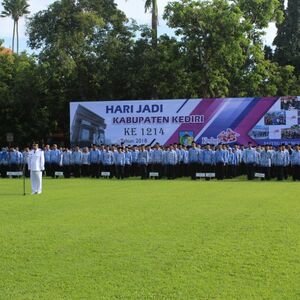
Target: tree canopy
(287,41)
(89,50)
(15,9)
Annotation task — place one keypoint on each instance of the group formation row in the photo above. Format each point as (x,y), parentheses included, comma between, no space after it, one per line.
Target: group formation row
(222,161)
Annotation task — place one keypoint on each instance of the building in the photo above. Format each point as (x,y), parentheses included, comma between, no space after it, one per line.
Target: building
(87,128)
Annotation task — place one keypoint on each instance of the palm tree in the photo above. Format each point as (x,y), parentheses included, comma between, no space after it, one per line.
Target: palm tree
(15,9)
(152,5)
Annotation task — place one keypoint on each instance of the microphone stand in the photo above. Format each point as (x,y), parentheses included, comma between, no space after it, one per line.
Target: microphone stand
(24,186)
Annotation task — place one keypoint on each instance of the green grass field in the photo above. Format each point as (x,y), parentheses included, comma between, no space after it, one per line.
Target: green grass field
(133,239)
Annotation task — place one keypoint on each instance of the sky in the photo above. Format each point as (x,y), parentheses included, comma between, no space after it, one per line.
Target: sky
(132,8)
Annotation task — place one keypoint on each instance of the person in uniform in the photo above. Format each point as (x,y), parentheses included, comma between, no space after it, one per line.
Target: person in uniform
(250,158)
(55,158)
(181,166)
(164,165)
(172,160)
(134,161)
(128,162)
(185,161)
(12,159)
(4,162)
(85,162)
(66,161)
(77,161)
(200,163)
(295,163)
(280,162)
(108,161)
(232,162)
(265,162)
(25,162)
(273,167)
(95,157)
(157,160)
(242,168)
(20,159)
(193,159)
(120,163)
(1,155)
(179,159)
(208,160)
(143,161)
(286,163)
(226,157)
(238,153)
(36,165)
(220,160)
(47,152)
(290,149)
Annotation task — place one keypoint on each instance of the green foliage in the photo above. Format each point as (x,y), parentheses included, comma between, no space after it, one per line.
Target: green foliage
(102,239)
(259,13)
(209,32)
(88,50)
(84,48)
(6,67)
(287,41)
(222,47)
(15,9)
(22,99)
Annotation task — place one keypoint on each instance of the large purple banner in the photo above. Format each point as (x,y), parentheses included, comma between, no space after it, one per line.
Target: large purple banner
(270,120)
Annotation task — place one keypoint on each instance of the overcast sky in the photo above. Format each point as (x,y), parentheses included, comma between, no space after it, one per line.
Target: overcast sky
(132,8)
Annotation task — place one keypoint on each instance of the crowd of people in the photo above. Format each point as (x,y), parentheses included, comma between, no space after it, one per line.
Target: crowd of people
(173,161)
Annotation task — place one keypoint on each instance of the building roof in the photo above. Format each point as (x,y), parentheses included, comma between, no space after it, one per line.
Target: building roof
(5,51)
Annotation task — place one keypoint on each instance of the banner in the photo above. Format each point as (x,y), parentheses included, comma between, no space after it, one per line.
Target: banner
(270,120)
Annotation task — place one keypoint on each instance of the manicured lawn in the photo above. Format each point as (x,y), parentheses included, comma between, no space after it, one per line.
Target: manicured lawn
(133,239)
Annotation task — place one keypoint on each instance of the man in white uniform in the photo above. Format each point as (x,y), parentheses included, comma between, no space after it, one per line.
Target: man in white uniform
(36,164)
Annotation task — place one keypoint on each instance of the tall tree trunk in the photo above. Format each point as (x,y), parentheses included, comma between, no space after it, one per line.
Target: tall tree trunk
(154,42)
(298,19)
(17,27)
(154,23)
(13,38)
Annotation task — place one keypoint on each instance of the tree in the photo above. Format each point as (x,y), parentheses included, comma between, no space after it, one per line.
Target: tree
(213,43)
(23,99)
(15,9)
(259,13)
(152,6)
(85,51)
(221,45)
(287,41)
